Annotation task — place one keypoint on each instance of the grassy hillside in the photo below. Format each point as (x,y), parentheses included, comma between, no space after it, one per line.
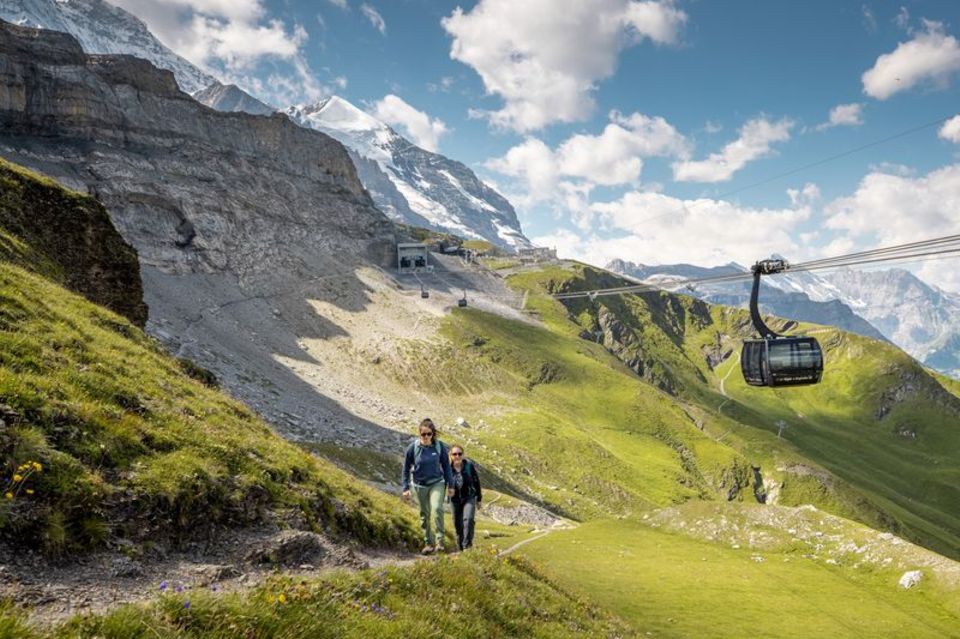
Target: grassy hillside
(471,596)
(130,446)
(673,585)
(105,437)
(612,429)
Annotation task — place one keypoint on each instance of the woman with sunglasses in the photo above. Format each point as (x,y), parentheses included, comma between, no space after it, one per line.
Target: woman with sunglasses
(466,495)
(426,460)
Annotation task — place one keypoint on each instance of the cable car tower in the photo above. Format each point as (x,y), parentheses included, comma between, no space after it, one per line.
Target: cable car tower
(777,360)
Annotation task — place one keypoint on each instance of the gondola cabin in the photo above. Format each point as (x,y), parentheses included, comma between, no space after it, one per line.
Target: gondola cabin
(781,361)
(777,360)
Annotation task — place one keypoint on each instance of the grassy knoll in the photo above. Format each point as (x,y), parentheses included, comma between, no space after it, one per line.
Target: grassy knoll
(668,585)
(132,447)
(475,595)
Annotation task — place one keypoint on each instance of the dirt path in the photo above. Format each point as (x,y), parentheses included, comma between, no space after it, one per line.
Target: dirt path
(236,561)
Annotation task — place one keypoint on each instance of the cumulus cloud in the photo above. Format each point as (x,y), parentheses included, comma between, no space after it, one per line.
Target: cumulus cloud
(545,57)
(615,156)
(843,115)
(374,17)
(931,58)
(891,208)
(659,229)
(234,33)
(583,161)
(755,141)
(533,163)
(417,125)
(951,130)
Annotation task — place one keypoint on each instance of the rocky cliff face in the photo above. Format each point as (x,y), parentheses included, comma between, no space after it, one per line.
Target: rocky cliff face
(240,221)
(193,189)
(72,234)
(101,27)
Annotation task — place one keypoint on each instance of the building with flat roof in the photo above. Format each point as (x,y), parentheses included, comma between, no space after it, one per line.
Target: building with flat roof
(413,257)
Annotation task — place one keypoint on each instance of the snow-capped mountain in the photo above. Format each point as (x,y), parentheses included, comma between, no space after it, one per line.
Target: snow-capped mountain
(921,319)
(230,97)
(412,185)
(800,296)
(101,27)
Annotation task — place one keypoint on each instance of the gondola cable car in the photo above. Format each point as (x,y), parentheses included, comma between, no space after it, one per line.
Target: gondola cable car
(777,360)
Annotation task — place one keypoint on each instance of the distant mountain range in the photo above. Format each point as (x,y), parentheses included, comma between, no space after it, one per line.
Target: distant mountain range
(893,304)
(409,184)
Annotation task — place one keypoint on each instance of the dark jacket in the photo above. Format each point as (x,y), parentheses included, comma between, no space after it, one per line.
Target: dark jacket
(471,483)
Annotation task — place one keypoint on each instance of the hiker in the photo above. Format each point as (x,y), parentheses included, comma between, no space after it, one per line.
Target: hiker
(466,495)
(426,458)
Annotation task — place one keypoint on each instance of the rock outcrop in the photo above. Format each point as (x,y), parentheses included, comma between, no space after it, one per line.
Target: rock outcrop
(74,235)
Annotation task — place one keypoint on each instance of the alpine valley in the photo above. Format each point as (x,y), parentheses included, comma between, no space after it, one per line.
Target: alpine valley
(210,368)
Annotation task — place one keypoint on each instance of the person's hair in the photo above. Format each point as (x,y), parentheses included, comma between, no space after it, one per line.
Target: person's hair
(428,423)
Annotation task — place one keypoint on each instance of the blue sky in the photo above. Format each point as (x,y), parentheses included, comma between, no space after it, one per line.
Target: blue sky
(637,128)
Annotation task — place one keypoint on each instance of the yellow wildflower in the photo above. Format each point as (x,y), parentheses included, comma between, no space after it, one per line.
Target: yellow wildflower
(8,495)
(17,477)
(29,491)
(282,598)
(37,466)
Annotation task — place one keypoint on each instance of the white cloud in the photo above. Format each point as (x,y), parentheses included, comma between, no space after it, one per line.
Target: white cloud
(889,209)
(951,130)
(340,4)
(374,17)
(843,115)
(756,138)
(931,57)
(902,19)
(231,32)
(869,19)
(417,125)
(534,164)
(659,229)
(615,156)
(809,194)
(545,57)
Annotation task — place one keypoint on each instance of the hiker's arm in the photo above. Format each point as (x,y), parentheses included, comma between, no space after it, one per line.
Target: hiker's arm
(476,483)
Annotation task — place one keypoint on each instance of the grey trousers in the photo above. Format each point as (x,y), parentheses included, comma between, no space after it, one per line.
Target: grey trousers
(463,515)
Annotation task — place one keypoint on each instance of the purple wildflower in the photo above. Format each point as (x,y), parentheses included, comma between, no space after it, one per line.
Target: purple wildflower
(186,604)
(179,588)
(214,588)
(163,586)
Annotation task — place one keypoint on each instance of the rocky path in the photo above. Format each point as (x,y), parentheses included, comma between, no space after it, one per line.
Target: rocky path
(235,561)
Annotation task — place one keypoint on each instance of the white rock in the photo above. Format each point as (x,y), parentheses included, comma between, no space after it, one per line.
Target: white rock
(911,578)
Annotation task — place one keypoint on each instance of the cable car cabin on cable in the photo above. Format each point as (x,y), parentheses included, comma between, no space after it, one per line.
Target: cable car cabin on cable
(777,360)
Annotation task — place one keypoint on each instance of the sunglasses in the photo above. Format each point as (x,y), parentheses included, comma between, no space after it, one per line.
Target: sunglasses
(456,454)
(426,434)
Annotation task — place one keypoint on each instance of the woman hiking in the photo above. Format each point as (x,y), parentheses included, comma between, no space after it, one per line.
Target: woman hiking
(426,460)
(466,495)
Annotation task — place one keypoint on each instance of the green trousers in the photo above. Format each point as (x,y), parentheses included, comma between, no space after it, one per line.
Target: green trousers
(430,499)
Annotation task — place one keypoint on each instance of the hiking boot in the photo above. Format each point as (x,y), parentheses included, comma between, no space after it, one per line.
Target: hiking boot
(427,550)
